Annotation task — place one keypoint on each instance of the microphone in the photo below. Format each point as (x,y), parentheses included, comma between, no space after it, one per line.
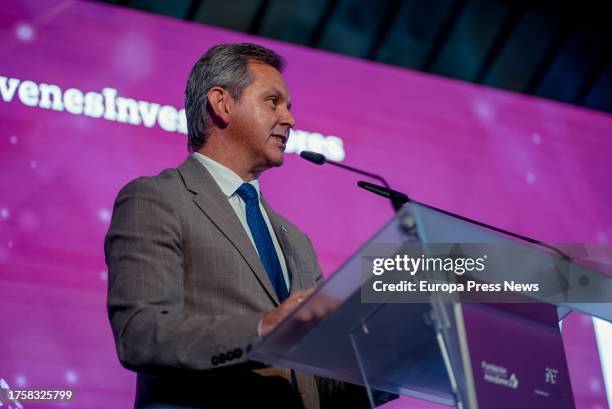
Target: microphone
(383,191)
(399,196)
(398,199)
(320,159)
(314,157)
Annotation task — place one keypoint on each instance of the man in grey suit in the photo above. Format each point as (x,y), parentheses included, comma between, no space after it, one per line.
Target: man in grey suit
(199,265)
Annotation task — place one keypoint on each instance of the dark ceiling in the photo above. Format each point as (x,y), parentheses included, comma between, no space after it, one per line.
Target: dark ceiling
(550,48)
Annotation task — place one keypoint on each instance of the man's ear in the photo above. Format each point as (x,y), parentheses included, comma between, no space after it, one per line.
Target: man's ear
(220,102)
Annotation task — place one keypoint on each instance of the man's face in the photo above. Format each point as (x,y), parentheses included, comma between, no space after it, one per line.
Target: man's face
(260,119)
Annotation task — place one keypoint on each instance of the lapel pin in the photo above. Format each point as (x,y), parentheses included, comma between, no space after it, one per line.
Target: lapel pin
(283,228)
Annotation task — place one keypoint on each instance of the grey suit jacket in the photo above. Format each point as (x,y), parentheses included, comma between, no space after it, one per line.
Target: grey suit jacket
(186,291)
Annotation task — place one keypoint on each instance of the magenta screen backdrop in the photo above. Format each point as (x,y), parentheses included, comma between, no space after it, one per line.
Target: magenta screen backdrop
(92,97)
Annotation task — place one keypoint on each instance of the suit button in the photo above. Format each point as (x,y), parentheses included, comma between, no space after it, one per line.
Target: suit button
(222,358)
(230,355)
(214,361)
(237,353)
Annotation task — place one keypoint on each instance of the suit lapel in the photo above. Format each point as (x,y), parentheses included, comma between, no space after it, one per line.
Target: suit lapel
(213,202)
(287,245)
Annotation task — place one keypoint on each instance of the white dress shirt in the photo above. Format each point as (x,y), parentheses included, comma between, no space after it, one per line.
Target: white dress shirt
(229,182)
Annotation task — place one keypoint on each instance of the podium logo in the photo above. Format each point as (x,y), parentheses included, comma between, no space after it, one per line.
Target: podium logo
(499,375)
(550,375)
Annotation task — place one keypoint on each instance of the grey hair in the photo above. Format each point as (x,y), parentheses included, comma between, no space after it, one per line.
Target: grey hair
(225,66)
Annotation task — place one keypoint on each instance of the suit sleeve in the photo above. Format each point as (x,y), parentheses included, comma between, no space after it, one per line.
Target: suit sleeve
(318,273)
(146,297)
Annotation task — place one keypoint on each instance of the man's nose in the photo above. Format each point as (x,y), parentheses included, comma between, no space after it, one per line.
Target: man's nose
(288,119)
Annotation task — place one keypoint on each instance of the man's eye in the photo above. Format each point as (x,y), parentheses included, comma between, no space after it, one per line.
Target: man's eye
(273,101)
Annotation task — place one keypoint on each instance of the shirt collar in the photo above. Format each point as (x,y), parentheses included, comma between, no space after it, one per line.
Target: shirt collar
(226,178)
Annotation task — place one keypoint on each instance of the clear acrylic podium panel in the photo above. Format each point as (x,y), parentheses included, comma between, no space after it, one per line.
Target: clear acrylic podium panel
(390,346)
(405,348)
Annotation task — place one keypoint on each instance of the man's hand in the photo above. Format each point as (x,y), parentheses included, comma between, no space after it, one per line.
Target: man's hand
(271,319)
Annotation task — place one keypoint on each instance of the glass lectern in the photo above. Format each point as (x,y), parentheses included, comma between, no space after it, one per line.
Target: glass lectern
(464,352)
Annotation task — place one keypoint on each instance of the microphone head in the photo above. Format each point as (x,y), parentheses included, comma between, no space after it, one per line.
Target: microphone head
(313,157)
(396,196)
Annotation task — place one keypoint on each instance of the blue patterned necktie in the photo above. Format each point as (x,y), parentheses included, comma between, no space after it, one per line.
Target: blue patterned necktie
(263,240)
